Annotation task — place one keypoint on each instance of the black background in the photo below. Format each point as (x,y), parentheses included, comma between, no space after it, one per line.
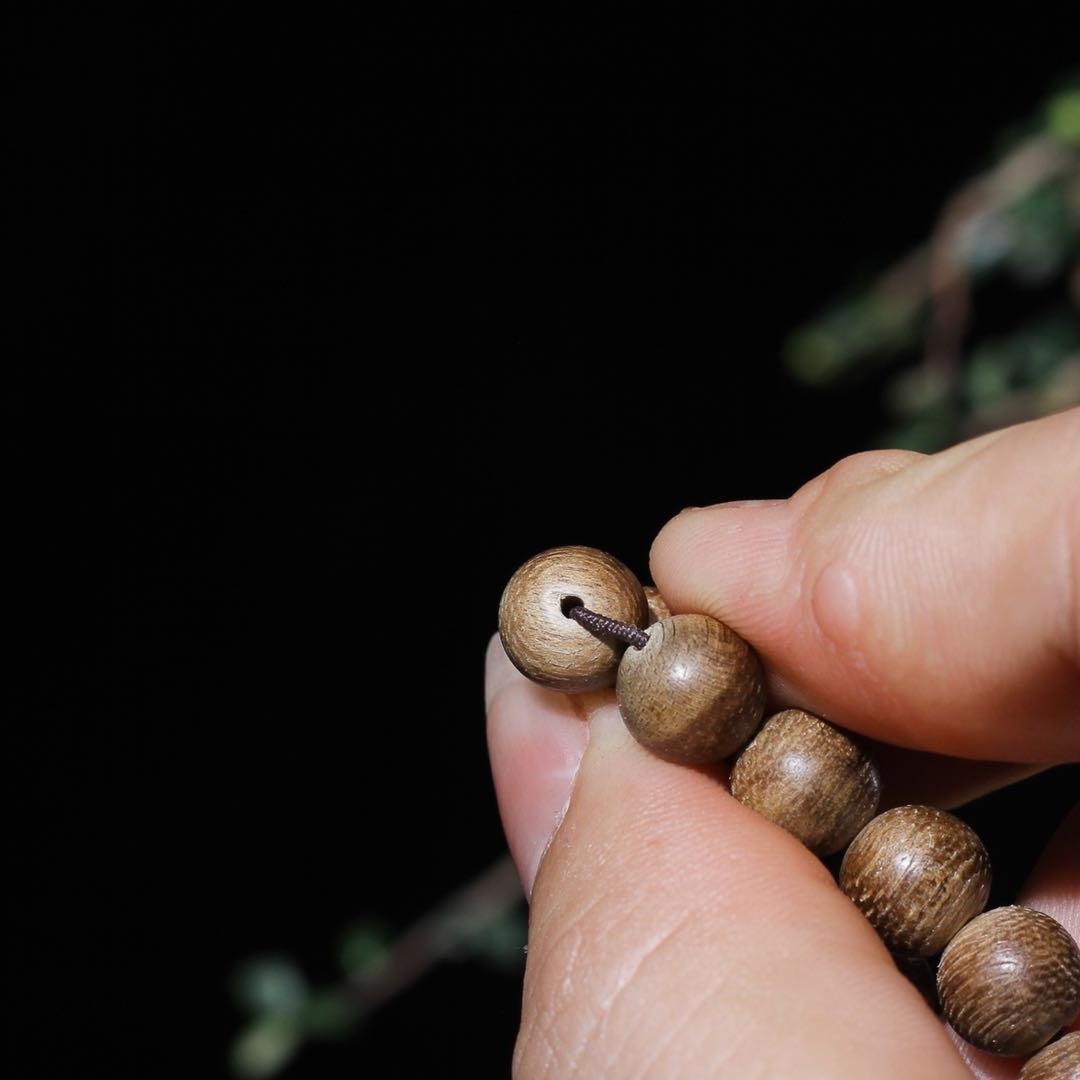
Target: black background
(402,305)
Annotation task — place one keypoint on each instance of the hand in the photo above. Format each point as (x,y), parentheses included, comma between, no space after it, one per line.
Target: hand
(932,603)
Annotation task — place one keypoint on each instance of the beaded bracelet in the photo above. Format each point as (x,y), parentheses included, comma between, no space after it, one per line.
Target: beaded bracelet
(692,691)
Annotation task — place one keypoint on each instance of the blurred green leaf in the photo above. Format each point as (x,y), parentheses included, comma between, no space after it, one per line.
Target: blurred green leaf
(1029,357)
(1040,233)
(501,941)
(815,355)
(362,951)
(877,323)
(1063,116)
(929,432)
(329,1015)
(1062,389)
(265,1047)
(270,984)
(985,242)
(917,390)
(987,377)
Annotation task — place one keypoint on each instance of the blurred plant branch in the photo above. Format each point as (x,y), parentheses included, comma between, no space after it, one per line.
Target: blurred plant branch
(1021,216)
(483,920)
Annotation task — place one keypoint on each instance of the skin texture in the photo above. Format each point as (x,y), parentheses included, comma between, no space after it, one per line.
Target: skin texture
(871,606)
(673,931)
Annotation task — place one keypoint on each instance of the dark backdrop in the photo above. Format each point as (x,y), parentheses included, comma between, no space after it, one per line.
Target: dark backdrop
(404,305)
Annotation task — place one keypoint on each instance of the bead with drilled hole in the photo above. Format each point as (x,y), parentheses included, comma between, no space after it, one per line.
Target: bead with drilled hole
(543,642)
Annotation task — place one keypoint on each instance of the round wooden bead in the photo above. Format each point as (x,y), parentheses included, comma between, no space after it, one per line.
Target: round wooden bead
(918,874)
(658,606)
(1059,1061)
(809,778)
(695,693)
(541,639)
(1010,980)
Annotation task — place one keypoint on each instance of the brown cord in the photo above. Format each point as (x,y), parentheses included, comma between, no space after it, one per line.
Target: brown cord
(601,624)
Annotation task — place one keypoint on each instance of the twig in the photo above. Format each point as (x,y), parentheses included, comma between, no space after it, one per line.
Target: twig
(948,281)
(436,936)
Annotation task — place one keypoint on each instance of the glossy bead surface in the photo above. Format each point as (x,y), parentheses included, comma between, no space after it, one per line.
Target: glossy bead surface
(1059,1061)
(1010,980)
(918,875)
(809,778)
(695,693)
(543,642)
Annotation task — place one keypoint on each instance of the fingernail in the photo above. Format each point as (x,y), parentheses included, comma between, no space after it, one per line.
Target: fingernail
(536,739)
(607,731)
(498,671)
(748,504)
(736,504)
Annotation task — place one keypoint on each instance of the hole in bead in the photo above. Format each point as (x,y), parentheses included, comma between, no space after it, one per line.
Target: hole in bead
(569,603)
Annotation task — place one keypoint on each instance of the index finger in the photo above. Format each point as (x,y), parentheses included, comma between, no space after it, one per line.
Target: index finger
(930,602)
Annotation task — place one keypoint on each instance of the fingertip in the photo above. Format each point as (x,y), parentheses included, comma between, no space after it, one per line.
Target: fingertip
(867,596)
(728,560)
(536,739)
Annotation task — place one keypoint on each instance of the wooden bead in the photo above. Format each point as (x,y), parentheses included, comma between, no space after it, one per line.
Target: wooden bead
(918,874)
(695,693)
(541,639)
(1059,1061)
(1010,980)
(809,778)
(658,606)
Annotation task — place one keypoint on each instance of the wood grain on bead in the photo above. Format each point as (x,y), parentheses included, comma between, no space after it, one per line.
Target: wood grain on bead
(809,778)
(1059,1061)
(543,642)
(1009,981)
(658,606)
(918,875)
(695,693)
